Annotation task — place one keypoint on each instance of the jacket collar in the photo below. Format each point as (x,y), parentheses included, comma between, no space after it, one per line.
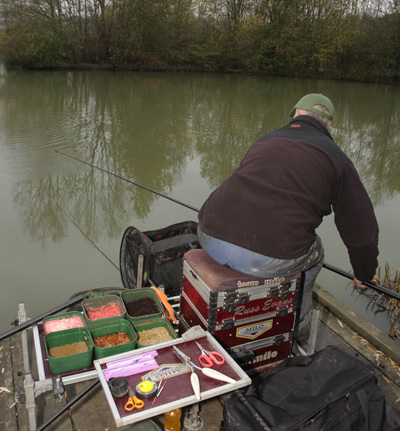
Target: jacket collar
(309,123)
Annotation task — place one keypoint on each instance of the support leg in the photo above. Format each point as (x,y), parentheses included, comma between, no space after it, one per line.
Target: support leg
(193,420)
(29,384)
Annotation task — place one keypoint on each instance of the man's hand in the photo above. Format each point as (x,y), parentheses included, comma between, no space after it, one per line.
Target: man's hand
(357,282)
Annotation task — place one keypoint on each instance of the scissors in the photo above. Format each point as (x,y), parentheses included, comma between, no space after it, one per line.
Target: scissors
(194,378)
(208,359)
(133,402)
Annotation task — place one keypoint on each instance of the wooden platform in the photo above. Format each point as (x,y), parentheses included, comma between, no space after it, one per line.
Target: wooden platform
(92,411)
(360,339)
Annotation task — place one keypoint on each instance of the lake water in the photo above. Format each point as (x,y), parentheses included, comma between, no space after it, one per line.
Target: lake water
(180,134)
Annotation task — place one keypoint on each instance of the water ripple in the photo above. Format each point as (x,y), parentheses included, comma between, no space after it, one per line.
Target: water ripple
(31,150)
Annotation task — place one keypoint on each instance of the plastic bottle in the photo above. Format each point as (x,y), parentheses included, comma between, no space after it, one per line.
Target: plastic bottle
(172,420)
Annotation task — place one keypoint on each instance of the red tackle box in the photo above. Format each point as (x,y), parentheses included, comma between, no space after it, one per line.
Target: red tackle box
(252,318)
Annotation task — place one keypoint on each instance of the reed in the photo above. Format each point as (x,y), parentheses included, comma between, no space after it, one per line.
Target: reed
(391,281)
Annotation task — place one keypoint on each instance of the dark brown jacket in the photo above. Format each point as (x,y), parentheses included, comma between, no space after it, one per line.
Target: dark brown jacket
(287,182)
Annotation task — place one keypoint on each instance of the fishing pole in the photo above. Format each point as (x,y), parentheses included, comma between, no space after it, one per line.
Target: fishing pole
(87,237)
(40,317)
(130,181)
(376,287)
(68,405)
(339,271)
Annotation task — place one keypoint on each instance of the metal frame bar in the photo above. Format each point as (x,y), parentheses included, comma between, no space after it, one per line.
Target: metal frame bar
(28,380)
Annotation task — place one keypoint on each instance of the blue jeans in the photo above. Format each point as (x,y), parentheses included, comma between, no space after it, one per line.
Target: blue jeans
(248,262)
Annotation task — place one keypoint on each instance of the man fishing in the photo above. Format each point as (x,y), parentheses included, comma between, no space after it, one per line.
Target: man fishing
(261,220)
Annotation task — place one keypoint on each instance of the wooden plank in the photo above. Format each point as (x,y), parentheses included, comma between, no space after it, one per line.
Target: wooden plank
(343,336)
(47,406)
(8,418)
(18,377)
(365,329)
(92,409)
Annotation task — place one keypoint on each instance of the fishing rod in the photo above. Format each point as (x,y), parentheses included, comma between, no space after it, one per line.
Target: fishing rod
(87,237)
(68,405)
(130,181)
(339,271)
(376,287)
(40,317)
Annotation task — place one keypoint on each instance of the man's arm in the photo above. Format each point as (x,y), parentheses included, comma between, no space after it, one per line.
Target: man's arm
(356,223)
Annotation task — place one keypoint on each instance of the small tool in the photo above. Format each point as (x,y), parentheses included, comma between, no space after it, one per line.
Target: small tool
(133,402)
(194,378)
(163,386)
(160,389)
(160,383)
(208,359)
(146,389)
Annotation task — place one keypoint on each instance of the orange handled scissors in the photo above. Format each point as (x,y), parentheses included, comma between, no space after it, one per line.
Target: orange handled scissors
(133,402)
(208,359)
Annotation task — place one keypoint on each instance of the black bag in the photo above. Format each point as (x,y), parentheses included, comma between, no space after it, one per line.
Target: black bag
(327,391)
(162,252)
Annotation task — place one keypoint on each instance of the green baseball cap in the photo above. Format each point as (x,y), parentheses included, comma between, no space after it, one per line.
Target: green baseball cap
(307,102)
